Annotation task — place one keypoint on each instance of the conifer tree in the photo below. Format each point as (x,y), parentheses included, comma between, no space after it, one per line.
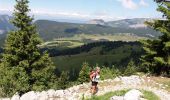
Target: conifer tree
(63,80)
(157,57)
(24,67)
(131,68)
(84,73)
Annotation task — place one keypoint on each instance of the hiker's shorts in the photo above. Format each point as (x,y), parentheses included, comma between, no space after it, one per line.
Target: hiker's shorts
(94,83)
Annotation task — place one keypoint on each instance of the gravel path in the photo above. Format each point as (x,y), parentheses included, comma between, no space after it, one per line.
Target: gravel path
(132,82)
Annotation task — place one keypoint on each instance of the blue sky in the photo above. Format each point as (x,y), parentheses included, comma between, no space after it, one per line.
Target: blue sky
(87,9)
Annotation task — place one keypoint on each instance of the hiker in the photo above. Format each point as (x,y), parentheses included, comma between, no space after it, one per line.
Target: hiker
(94,77)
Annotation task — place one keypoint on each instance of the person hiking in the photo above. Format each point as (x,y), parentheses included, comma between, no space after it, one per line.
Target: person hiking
(94,77)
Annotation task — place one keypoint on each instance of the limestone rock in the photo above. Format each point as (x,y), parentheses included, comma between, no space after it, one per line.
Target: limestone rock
(117,79)
(117,98)
(133,95)
(29,96)
(15,97)
(51,93)
(42,95)
(59,93)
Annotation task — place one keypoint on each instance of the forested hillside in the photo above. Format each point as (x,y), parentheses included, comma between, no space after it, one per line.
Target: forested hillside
(51,29)
(106,54)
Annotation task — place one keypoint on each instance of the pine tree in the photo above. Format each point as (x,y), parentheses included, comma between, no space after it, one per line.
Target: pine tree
(131,68)
(63,80)
(84,73)
(24,67)
(157,57)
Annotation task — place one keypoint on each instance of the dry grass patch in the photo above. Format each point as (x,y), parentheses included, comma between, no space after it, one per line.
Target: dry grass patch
(163,82)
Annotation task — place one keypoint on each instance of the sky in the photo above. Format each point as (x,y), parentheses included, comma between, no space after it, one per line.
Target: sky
(87,9)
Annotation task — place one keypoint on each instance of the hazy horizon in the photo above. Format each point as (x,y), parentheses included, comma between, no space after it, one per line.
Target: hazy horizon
(83,10)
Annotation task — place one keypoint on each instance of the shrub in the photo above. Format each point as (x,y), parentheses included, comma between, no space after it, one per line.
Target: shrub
(108,73)
(84,73)
(131,68)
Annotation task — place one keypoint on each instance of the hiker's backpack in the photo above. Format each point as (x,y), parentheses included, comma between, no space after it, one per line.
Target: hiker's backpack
(91,72)
(95,77)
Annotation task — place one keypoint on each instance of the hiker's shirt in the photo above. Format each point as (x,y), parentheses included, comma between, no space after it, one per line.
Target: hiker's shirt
(96,77)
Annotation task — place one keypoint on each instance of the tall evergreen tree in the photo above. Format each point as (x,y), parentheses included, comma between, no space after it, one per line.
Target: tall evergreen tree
(24,67)
(84,73)
(157,57)
(63,81)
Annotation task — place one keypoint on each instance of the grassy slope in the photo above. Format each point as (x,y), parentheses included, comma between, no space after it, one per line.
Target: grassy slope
(80,39)
(146,95)
(107,96)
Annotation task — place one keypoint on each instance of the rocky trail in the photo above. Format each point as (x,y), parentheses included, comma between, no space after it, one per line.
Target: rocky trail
(119,83)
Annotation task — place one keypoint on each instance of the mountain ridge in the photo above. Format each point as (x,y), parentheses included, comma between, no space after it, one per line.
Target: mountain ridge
(49,29)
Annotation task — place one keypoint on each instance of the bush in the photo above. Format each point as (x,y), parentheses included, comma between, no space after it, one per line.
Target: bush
(131,68)
(108,73)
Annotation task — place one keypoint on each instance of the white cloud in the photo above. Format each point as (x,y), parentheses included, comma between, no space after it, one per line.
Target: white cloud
(50,13)
(143,3)
(130,4)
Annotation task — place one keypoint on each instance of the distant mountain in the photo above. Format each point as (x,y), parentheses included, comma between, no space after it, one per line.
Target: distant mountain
(130,23)
(5,24)
(52,29)
(97,22)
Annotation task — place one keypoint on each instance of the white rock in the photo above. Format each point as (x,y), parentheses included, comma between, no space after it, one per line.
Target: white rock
(131,80)
(117,98)
(5,99)
(59,93)
(51,93)
(67,93)
(117,79)
(29,96)
(133,95)
(15,97)
(42,95)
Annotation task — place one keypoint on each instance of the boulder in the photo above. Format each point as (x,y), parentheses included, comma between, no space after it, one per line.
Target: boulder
(59,93)
(67,93)
(117,98)
(29,96)
(51,93)
(42,95)
(117,79)
(15,97)
(133,95)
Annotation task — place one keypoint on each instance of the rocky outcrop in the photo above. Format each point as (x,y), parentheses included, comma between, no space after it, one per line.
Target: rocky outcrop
(78,92)
(73,93)
(130,95)
(133,95)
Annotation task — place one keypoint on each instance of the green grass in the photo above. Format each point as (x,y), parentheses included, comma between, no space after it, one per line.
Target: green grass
(80,39)
(62,44)
(107,96)
(146,95)
(110,37)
